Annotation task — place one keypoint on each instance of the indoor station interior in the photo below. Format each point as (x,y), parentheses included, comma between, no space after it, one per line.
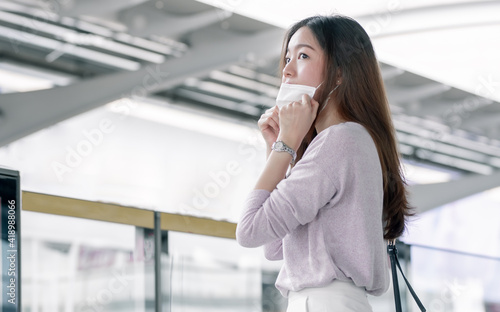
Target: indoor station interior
(133,126)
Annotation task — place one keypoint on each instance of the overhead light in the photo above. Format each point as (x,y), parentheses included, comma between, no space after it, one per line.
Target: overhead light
(59,48)
(110,45)
(495,162)
(436,146)
(58,79)
(246,72)
(488,149)
(78,38)
(108,23)
(410,128)
(44,14)
(147,44)
(177,45)
(218,102)
(16,82)
(244,83)
(418,174)
(31,23)
(405,149)
(455,162)
(117,32)
(395,109)
(441,133)
(444,142)
(86,26)
(430,124)
(223,90)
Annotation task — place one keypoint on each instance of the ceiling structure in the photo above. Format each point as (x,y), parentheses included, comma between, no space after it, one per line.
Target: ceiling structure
(215,58)
(61,59)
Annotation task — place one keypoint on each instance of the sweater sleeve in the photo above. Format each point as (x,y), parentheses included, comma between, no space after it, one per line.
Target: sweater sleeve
(269,216)
(274,250)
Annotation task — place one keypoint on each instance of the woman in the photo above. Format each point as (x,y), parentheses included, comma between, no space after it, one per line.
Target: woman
(345,194)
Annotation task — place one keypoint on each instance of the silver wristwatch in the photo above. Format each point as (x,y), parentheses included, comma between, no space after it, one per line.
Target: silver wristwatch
(280,146)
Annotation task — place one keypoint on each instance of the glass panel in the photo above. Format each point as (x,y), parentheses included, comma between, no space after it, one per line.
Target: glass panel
(469,225)
(454,282)
(78,265)
(213,274)
(216,274)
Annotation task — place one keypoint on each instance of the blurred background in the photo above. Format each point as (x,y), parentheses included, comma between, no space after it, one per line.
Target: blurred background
(154,105)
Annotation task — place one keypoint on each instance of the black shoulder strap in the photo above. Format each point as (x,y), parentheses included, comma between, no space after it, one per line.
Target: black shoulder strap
(393,254)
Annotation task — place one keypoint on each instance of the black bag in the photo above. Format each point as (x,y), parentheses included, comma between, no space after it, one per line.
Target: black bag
(393,255)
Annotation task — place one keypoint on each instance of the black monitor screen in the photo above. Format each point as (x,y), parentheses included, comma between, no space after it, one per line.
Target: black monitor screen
(10,201)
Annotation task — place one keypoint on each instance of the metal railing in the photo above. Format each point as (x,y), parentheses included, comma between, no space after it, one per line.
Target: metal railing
(86,209)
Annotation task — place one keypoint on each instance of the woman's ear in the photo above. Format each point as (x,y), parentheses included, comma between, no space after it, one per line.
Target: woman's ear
(339,76)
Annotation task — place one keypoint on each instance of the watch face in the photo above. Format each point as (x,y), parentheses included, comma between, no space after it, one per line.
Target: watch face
(279,145)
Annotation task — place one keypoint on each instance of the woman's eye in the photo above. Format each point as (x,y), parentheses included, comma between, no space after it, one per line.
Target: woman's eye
(303,56)
(287,60)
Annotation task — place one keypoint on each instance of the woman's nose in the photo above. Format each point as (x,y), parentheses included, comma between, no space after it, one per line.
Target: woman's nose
(289,69)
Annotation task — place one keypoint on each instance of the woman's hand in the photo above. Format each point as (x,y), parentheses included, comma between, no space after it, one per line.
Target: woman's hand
(295,120)
(269,125)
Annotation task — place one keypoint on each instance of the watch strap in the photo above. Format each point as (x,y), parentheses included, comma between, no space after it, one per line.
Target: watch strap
(280,146)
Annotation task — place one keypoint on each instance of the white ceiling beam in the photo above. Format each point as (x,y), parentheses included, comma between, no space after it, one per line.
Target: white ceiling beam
(436,146)
(25,113)
(57,48)
(218,102)
(95,7)
(251,74)
(144,20)
(228,45)
(436,132)
(481,120)
(396,21)
(405,95)
(244,83)
(73,38)
(391,73)
(428,196)
(446,109)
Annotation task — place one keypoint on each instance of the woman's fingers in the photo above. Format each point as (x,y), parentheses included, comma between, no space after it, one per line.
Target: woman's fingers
(270,116)
(314,106)
(296,119)
(308,104)
(269,124)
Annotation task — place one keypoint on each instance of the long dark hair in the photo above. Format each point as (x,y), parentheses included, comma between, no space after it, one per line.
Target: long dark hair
(360,98)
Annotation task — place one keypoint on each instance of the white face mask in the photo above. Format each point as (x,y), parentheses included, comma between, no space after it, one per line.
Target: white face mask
(293,93)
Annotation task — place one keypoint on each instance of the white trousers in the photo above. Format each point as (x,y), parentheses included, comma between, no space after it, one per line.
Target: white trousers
(338,296)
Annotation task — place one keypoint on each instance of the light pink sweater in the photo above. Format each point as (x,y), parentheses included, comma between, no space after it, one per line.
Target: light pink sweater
(325,219)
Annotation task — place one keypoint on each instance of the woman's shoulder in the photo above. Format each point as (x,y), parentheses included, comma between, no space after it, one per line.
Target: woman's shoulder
(351,133)
(342,141)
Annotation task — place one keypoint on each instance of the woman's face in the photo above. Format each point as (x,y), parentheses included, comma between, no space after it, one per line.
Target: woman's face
(305,59)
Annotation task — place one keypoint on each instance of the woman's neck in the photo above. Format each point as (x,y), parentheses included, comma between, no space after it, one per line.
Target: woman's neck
(328,117)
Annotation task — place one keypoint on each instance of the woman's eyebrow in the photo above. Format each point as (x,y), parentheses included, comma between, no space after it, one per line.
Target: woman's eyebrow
(300,45)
